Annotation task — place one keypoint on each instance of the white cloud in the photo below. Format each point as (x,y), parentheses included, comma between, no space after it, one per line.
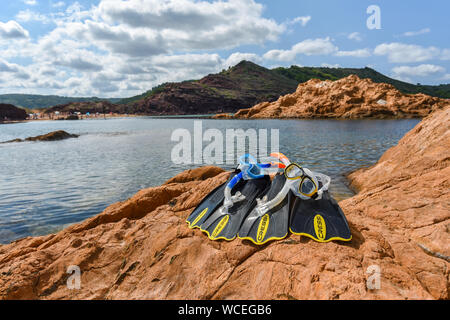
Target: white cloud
(406,53)
(29,15)
(12,71)
(327,65)
(121,40)
(177,61)
(302,20)
(446,77)
(5,66)
(78,63)
(309,47)
(359,53)
(355,36)
(237,57)
(193,25)
(422,70)
(12,30)
(30,2)
(416,33)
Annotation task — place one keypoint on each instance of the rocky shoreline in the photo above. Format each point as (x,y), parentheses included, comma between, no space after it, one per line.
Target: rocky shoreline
(347,98)
(141,248)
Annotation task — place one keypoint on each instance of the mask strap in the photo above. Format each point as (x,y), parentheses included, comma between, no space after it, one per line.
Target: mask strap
(281,157)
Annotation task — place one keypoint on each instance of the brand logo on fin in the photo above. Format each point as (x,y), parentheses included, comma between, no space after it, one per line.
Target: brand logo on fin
(220,226)
(200,216)
(262,228)
(320,227)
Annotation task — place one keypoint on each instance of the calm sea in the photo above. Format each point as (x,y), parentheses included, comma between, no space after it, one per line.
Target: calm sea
(45,186)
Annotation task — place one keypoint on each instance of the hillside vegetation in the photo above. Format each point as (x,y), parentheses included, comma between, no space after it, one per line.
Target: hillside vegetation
(303,74)
(35,101)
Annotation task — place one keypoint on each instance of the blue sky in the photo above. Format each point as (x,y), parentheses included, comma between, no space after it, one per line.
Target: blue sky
(117,48)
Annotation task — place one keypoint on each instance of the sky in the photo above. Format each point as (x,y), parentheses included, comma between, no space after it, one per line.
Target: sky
(121,48)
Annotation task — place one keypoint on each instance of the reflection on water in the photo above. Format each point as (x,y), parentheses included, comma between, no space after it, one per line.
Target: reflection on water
(45,186)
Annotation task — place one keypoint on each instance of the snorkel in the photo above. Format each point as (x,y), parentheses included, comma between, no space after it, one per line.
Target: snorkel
(249,169)
(303,183)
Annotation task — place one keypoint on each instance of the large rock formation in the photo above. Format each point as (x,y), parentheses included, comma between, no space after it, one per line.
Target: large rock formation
(350,97)
(10,112)
(404,199)
(142,249)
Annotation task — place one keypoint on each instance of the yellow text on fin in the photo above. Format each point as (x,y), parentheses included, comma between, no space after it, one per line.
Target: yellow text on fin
(218,229)
(262,228)
(320,227)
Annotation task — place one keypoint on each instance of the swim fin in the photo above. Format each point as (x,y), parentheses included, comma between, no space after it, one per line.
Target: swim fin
(321,220)
(225,224)
(273,225)
(210,203)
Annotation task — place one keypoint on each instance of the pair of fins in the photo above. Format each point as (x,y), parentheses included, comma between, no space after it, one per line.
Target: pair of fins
(209,217)
(321,220)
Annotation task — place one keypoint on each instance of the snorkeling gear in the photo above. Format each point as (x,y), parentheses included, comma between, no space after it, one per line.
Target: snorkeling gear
(322,219)
(263,225)
(253,207)
(210,203)
(224,222)
(315,213)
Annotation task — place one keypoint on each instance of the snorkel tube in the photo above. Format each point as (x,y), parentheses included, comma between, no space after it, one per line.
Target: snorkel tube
(250,169)
(303,182)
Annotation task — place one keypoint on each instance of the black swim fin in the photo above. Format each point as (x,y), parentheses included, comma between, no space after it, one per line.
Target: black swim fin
(321,220)
(272,225)
(225,225)
(210,203)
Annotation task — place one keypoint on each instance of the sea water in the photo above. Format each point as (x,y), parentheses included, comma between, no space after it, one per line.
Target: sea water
(45,186)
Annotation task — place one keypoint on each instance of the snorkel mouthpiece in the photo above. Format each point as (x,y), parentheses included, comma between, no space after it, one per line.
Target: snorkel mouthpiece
(263,205)
(231,199)
(250,169)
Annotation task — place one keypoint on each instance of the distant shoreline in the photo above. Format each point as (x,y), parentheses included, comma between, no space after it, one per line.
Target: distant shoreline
(114,116)
(108,116)
(210,117)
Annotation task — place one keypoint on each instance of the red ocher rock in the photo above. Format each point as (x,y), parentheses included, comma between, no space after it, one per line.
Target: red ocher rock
(349,98)
(142,248)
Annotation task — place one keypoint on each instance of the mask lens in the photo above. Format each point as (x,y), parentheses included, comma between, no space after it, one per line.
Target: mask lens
(293,171)
(254,170)
(308,187)
(247,159)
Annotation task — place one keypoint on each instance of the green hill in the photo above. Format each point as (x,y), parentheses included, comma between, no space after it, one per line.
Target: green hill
(239,87)
(148,93)
(34,101)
